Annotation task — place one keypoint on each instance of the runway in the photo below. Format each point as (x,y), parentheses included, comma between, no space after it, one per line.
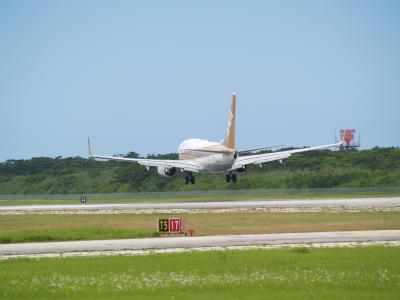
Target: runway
(121,246)
(351,204)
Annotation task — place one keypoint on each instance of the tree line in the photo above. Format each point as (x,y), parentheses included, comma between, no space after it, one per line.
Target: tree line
(374,167)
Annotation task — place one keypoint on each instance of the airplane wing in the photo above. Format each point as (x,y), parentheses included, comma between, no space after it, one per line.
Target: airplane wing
(260,149)
(186,165)
(257,159)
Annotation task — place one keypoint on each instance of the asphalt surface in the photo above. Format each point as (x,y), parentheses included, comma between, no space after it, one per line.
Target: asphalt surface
(201,241)
(352,203)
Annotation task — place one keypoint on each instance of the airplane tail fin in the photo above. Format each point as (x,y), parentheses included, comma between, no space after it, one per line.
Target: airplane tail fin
(229,139)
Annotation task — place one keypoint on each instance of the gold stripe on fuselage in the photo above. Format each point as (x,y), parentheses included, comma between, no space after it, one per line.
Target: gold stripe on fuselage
(202,152)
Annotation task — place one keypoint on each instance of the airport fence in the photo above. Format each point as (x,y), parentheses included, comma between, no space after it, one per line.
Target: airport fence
(247,192)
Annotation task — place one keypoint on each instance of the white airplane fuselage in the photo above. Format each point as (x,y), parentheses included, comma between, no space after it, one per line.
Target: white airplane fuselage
(205,153)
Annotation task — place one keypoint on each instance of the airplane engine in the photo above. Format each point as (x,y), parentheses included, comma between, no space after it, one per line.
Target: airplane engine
(241,170)
(166,172)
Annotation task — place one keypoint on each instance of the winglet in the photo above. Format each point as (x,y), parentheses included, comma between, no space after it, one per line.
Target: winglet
(229,140)
(89,148)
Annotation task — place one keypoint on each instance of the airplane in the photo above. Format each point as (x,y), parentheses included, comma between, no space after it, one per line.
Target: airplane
(199,155)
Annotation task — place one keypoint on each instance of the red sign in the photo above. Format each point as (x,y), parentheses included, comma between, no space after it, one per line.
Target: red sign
(175,225)
(347,135)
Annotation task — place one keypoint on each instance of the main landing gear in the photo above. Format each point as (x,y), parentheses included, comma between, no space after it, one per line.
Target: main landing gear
(231,177)
(189,178)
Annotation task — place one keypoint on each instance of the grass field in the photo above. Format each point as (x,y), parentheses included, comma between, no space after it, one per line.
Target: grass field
(302,273)
(49,227)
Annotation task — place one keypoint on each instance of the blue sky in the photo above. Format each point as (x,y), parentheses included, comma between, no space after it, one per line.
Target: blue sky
(144,75)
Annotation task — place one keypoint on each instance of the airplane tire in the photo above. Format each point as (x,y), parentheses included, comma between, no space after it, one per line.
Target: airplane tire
(234,178)
(192,180)
(228,178)
(186,180)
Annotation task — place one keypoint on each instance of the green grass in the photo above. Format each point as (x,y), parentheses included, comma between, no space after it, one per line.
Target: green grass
(331,273)
(53,227)
(74,234)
